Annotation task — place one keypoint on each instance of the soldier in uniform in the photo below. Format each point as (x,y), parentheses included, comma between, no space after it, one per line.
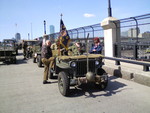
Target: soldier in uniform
(77,49)
(24,46)
(46,59)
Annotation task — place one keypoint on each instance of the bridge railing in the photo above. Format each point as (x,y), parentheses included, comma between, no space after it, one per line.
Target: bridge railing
(145,65)
(80,33)
(135,37)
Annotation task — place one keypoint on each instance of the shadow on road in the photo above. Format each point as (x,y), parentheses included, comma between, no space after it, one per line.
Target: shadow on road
(89,90)
(21,61)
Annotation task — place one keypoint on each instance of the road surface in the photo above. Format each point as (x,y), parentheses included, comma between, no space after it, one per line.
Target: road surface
(22,91)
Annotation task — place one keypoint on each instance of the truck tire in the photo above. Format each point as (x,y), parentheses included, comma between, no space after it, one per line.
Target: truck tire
(63,83)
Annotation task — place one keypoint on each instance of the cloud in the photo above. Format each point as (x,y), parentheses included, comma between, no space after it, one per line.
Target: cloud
(87,15)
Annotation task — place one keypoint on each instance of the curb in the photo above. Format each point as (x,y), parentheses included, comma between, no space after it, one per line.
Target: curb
(128,73)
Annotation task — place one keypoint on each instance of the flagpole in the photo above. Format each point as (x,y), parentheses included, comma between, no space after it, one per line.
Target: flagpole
(59,52)
(61,16)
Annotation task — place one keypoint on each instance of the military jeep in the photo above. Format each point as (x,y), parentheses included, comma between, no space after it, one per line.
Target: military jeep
(77,70)
(33,47)
(37,53)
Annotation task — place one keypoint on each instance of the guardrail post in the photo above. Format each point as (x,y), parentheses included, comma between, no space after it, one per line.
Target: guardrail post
(116,49)
(117,62)
(145,68)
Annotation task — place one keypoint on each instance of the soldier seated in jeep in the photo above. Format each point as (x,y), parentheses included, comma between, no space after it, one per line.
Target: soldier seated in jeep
(76,49)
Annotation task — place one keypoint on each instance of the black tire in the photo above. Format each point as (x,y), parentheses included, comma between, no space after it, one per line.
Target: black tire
(27,55)
(14,61)
(39,63)
(102,85)
(34,60)
(51,76)
(17,52)
(63,83)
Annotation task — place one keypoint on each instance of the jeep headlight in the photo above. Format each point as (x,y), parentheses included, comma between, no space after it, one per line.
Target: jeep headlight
(73,64)
(97,63)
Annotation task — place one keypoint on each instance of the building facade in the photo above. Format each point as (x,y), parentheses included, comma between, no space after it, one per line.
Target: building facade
(17,36)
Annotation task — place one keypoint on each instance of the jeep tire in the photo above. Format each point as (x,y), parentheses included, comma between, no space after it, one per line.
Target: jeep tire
(39,61)
(50,74)
(63,83)
(34,60)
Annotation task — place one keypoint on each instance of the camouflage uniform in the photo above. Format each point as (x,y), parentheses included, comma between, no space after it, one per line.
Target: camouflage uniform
(76,50)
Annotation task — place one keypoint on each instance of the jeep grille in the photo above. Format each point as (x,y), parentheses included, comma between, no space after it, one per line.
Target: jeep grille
(82,67)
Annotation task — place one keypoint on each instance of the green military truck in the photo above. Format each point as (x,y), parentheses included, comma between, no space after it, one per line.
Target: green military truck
(8,51)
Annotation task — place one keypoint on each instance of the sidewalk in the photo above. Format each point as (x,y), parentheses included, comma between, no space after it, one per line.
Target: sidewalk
(128,71)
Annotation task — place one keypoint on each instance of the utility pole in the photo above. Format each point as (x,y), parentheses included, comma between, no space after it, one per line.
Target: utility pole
(28,36)
(31,32)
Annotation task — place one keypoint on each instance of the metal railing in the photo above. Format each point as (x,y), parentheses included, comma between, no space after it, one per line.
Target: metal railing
(135,37)
(145,65)
(95,31)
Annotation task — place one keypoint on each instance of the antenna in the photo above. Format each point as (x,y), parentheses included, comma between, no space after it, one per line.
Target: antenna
(87,52)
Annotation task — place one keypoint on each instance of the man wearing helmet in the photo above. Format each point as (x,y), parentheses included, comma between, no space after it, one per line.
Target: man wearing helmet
(96,48)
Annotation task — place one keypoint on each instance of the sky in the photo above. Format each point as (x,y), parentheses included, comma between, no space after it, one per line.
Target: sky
(27,16)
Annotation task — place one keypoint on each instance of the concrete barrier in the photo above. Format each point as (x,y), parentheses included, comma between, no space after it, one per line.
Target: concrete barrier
(128,71)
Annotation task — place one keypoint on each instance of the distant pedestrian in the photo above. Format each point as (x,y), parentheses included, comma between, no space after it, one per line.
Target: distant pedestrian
(96,48)
(46,59)
(24,46)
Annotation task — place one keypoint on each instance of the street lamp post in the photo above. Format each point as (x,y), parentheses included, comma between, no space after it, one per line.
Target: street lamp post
(109,9)
(136,44)
(44,27)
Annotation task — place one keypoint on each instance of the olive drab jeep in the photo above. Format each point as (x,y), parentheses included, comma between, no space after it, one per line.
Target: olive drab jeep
(37,53)
(29,50)
(77,70)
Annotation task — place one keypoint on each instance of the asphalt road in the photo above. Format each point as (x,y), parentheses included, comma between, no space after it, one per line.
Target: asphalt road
(22,91)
